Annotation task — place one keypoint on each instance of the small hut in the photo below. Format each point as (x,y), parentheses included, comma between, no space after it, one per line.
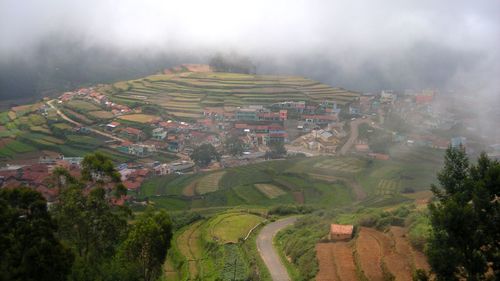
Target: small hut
(340,232)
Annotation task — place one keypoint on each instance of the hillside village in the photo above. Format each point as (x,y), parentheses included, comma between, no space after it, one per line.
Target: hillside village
(303,127)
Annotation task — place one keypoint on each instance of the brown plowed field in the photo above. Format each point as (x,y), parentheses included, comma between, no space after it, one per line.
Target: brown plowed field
(403,246)
(374,248)
(327,270)
(344,260)
(336,262)
(370,254)
(399,264)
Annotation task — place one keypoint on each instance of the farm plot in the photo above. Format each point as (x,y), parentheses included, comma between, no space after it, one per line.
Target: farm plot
(209,183)
(336,262)
(229,228)
(386,256)
(190,247)
(206,184)
(346,165)
(9,147)
(369,255)
(101,114)
(139,118)
(403,246)
(271,191)
(81,105)
(388,187)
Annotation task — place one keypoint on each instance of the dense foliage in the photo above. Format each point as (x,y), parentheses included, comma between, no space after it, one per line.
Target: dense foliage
(276,150)
(29,248)
(465,219)
(204,154)
(234,146)
(83,237)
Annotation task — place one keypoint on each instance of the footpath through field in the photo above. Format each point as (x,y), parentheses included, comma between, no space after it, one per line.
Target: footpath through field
(268,252)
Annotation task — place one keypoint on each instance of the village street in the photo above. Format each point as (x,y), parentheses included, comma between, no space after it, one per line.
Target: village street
(353,134)
(63,116)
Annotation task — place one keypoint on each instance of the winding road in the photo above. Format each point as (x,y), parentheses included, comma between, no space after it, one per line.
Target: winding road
(63,116)
(354,134)
(268,252)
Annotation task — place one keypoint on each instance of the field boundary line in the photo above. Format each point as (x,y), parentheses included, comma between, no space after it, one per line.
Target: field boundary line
(251,230)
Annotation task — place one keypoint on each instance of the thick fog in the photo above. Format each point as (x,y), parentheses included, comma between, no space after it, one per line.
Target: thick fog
(46,46)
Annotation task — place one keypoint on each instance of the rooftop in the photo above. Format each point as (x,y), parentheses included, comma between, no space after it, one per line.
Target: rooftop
(341,229)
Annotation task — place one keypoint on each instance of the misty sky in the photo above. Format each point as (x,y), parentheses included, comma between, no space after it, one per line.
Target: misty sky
(364,45)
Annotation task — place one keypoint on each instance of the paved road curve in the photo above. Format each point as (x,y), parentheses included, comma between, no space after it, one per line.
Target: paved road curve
(267,251)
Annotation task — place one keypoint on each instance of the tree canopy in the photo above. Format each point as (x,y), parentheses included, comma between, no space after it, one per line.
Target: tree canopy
(276,150)
(99,168)
(234,146)
(465,219)
(147,243)
(29,248)
(204,154)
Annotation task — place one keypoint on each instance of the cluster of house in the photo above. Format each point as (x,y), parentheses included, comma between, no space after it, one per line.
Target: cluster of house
(323,140)
(38,175)
(255,125)
(96,97)
(171,136)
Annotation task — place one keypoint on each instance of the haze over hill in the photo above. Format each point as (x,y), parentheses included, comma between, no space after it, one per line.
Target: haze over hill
(356,45)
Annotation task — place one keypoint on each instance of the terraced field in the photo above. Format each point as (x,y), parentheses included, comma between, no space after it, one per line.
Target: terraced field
(373,255)
(388,187)
(329,166)
(270,190)
(208,249)
(187,94)
(229,228)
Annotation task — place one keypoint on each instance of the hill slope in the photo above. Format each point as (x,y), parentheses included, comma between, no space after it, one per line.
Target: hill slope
(186,94)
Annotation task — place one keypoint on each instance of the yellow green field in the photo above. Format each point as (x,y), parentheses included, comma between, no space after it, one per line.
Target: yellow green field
(229,228)
(209,183)
(388,187)
(101,114)
(139,118)
(269,190)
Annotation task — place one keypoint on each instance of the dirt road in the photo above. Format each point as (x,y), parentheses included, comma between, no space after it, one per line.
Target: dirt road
(268,252)
(354,134)
(63,116)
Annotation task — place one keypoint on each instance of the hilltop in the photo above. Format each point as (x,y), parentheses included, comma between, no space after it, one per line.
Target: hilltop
(186,91)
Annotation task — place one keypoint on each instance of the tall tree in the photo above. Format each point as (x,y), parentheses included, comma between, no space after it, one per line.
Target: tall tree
(92,227)
(148,242)
(234,146)
(277,150)
(89,222)
(204,154)
(29,249)
(465,219)
(99,168)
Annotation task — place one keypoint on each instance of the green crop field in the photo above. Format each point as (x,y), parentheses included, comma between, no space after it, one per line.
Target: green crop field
(139,118)
(101,114)
(269,190)
(213,249)
(209,183)
(229,228)
(264,184)
(187,94)
(81,105)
